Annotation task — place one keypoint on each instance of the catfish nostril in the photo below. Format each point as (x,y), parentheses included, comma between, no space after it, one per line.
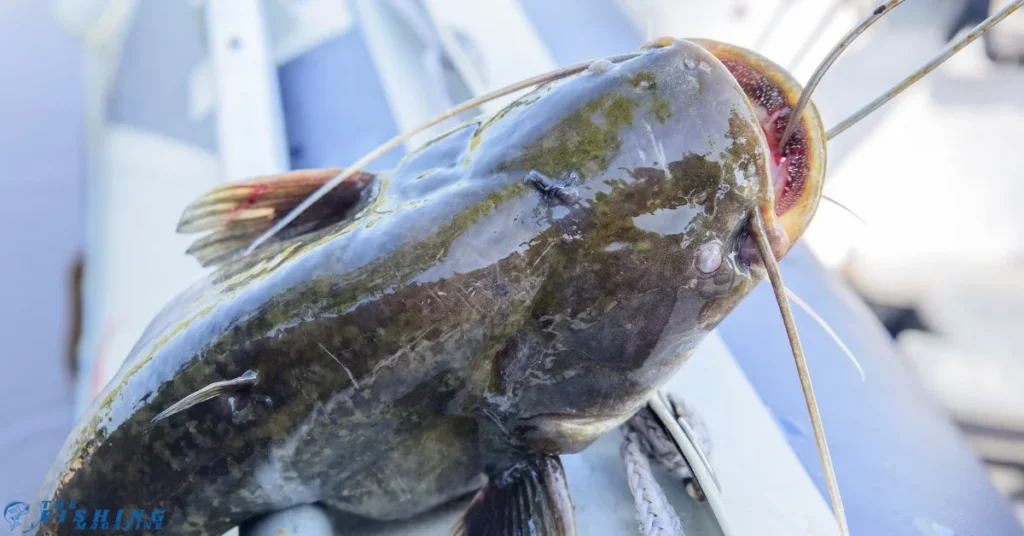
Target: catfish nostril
(708,257)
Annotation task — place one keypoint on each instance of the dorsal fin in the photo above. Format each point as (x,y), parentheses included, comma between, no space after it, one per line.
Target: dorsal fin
(238,212)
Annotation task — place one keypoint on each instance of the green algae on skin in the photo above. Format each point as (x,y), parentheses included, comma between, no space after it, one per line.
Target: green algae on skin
(398,268)
(583,142)
(518,103)
(661,107)
(643,80)
(745,154)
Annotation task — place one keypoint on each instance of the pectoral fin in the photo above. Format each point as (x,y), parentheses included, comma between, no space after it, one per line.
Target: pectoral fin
(239,212)
(209,392)
(529,498)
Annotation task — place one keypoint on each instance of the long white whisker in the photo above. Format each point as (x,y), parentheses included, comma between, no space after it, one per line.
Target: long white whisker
(828,329)
(846,208)
(946,53)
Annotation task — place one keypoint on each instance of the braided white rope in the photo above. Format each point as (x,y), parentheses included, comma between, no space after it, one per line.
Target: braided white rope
(656,445)
(645,439)
(654,515)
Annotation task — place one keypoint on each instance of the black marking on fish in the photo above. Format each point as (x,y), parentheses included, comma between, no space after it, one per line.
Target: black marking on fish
(560,189)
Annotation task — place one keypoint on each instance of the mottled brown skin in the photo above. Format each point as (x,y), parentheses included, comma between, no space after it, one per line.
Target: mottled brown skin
(464,317)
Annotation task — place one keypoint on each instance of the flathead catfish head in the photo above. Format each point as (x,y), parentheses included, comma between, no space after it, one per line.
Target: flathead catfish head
(651,179)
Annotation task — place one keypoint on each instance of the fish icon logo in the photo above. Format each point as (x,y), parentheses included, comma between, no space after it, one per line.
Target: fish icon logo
(14,511)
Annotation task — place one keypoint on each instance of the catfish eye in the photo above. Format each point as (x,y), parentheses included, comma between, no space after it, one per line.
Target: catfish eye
(708,257)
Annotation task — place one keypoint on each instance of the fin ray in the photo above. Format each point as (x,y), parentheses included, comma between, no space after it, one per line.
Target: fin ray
(209,392)
(532,497)
(236,214)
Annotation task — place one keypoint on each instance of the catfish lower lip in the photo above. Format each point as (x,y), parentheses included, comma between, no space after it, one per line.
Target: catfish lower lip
(578,420)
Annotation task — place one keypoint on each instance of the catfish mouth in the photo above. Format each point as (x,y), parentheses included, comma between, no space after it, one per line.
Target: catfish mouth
(798,169)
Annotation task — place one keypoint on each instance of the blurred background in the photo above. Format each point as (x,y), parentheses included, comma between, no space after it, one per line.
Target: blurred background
(115,113)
